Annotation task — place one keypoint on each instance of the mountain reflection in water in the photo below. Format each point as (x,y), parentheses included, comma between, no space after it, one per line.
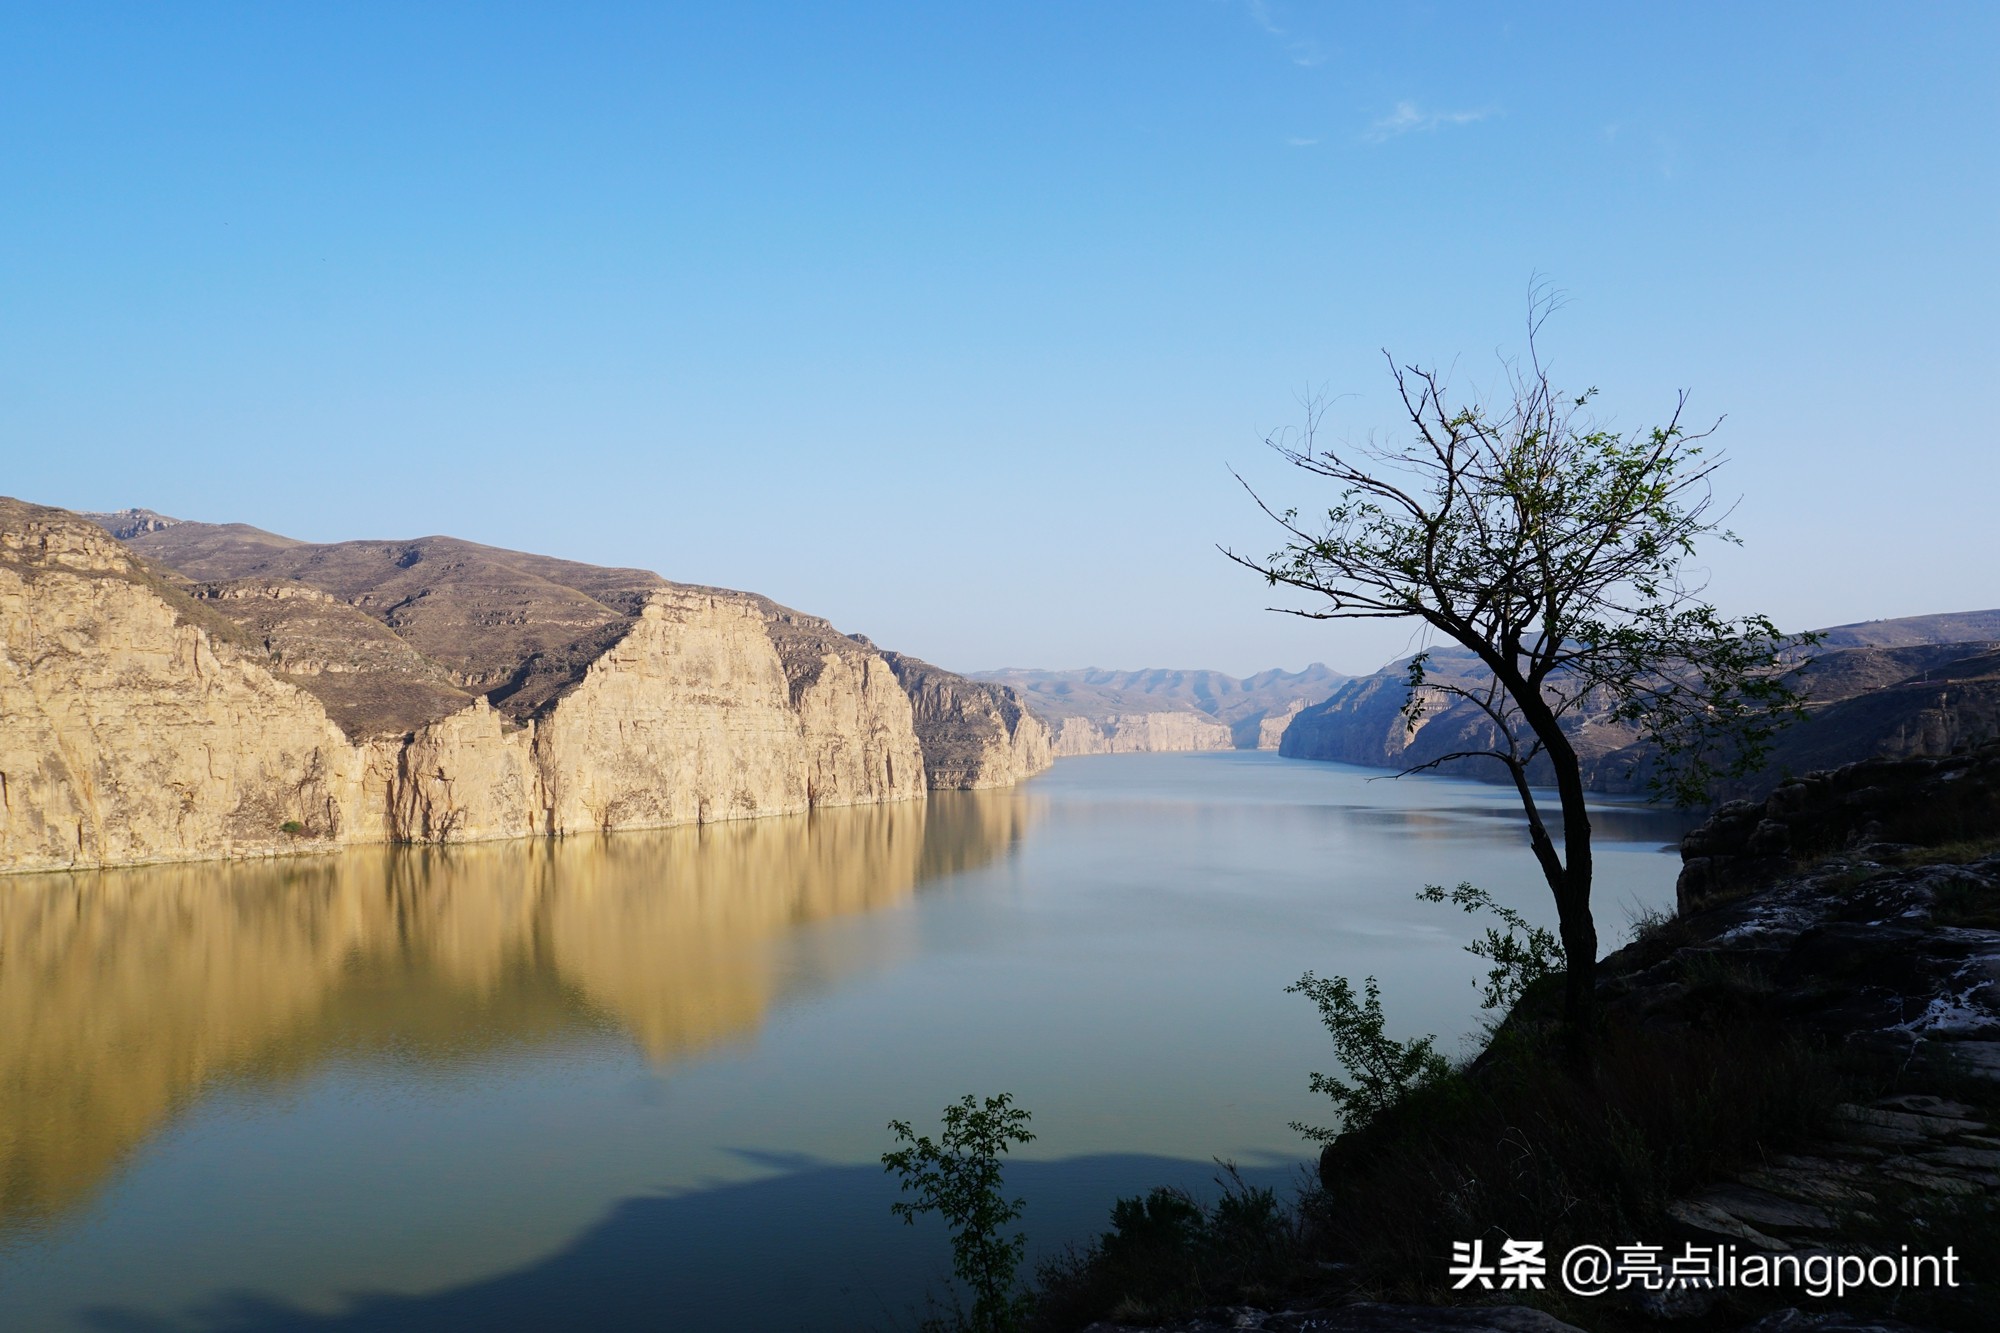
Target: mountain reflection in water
(126,994)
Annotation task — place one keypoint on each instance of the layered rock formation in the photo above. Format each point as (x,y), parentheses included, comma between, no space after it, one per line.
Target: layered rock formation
(242,693)
(976,734)
(1104,712)
(1747,845)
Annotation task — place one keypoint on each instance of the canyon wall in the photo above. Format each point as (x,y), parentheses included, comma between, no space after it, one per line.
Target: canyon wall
(132,727)
(1092,711)
(1122,733)
(975,733)
(145,717)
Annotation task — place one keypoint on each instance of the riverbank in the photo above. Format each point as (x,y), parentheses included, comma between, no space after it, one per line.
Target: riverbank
(1804,1060)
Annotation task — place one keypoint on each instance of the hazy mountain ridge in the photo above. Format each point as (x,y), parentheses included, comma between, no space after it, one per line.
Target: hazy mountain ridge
(1095,711)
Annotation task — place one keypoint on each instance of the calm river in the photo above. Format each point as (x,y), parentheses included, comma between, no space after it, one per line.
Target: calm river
(642,1081)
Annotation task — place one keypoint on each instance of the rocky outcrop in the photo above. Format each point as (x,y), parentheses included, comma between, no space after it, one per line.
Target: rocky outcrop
(1364,722)
(860,727)
(1859,911)
(148,718)
(974,733)
(1099,712)
(1891,703)
(133,726)
(1272,727)
(1746,845)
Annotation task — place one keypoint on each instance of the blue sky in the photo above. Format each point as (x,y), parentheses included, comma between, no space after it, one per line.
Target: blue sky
(947,321)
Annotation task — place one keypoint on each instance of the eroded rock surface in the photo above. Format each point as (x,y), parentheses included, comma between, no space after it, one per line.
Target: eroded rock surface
(1746,845)
(975,733)
(271,695)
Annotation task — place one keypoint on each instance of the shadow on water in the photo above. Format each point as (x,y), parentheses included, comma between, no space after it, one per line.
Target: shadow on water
(831,1258)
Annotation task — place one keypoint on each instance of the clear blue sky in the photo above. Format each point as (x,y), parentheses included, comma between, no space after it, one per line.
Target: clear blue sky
(946,320)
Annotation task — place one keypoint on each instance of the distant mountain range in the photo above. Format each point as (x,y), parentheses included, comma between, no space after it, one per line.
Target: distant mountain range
(1909,686)
(1096,712)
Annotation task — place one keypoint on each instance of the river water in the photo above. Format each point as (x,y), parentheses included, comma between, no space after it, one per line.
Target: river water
(643,1080)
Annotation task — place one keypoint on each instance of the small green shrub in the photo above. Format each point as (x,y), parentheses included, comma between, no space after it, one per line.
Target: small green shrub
(959,1177)
(1521,956)
(291,828)
(1166,1257)
(1385,1071)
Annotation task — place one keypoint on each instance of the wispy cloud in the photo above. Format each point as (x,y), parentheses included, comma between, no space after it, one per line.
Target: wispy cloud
(1301,143)
(1408,117)
(1303,51)
(1260,14)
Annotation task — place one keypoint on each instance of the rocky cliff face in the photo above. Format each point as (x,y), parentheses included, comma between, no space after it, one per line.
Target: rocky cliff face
(1881,803)
(1102,712)
(1120,733)
(975,733)
(1362,722)
(133,726)
(306,696)
(1271,728)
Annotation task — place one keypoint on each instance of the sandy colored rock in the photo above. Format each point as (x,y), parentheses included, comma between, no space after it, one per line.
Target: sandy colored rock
(975,733)
(1094,711)
(1123,733)
(129,731)
(292,702)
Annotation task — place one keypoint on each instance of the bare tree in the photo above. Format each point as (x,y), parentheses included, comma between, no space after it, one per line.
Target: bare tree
(1550,547)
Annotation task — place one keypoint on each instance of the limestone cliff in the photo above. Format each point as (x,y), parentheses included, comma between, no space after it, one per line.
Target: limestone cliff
(975,734)
(304,696)
(1101,712)
(1271,727)
(1121,733)
(134,726)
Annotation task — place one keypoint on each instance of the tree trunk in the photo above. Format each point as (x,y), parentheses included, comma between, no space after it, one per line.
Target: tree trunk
(1579,929)
(1572,884)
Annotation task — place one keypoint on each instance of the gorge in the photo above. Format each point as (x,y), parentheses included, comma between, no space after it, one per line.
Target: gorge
(1091,711)
(174,690)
